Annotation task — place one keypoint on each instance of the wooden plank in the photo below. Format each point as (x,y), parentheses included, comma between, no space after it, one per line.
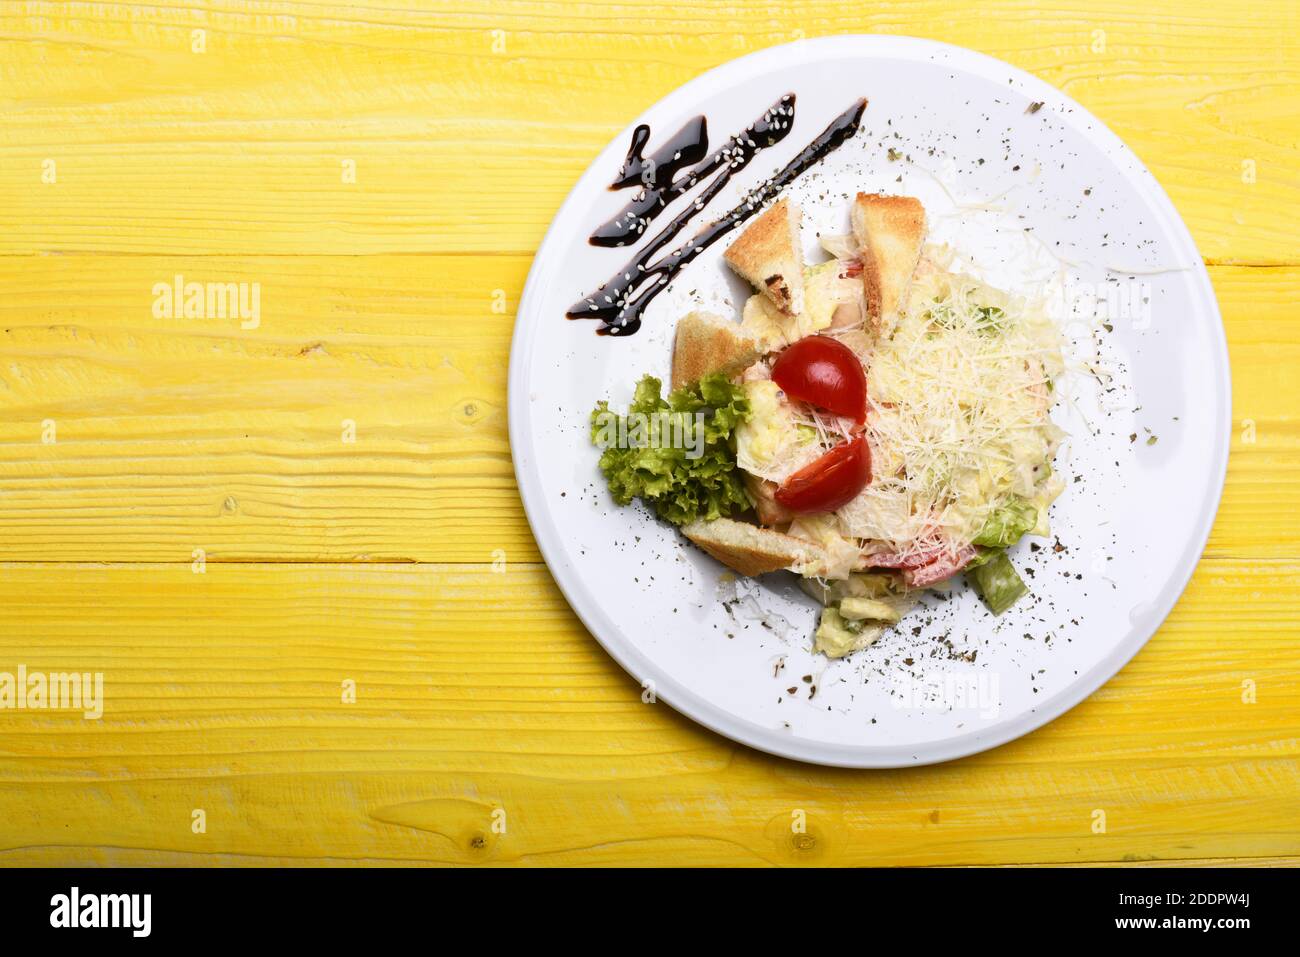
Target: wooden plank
(469,126)
(182,434)
(173,435)
(479,692)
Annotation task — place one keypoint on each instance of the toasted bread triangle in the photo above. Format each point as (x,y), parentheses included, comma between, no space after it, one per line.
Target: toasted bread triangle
(750,549)
(768,254)
(889,231)
(706,343)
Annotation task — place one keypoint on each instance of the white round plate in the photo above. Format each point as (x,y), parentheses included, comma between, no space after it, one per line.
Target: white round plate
(1035,194)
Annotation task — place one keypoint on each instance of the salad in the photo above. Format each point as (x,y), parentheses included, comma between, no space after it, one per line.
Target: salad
(877,423)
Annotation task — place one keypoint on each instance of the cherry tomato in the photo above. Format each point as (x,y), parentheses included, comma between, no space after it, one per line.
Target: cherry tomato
(833,480)
(826,373)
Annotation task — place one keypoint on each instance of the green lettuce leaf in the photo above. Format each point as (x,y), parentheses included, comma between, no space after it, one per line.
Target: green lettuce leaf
(1007,523)
(678,455)
(996,580)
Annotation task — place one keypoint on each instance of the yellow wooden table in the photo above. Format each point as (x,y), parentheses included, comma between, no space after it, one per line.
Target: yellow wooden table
(277,539)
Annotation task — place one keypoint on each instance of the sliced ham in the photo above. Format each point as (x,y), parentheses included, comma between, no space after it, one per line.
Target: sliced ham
(941,567)
(912,560)
(769,510)
(925,567)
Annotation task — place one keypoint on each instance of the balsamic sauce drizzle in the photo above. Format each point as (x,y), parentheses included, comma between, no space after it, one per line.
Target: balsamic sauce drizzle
(619,304)
(656,175)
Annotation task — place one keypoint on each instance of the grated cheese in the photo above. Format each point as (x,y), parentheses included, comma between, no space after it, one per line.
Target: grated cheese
(958,416)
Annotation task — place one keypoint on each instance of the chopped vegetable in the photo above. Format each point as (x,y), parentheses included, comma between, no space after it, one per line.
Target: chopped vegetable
(825,372)
(857,609)
(989,318)
(676,455)
(996,580)
(1007,523)
(837,636)
(882,586)
(831,481)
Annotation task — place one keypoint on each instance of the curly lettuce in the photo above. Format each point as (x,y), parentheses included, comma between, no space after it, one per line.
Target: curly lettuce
(678,455)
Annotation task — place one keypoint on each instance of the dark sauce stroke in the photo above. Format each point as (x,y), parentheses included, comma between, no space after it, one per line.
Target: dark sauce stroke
(658,177)
(619,304)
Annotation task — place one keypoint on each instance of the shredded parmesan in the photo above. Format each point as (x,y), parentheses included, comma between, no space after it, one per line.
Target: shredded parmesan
(958,403)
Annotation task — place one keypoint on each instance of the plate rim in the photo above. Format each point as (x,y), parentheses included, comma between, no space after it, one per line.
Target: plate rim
(699,708)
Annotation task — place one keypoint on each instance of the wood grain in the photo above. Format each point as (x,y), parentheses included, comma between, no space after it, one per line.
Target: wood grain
(173,435)
(469,124)
(329,560)
(223,692)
